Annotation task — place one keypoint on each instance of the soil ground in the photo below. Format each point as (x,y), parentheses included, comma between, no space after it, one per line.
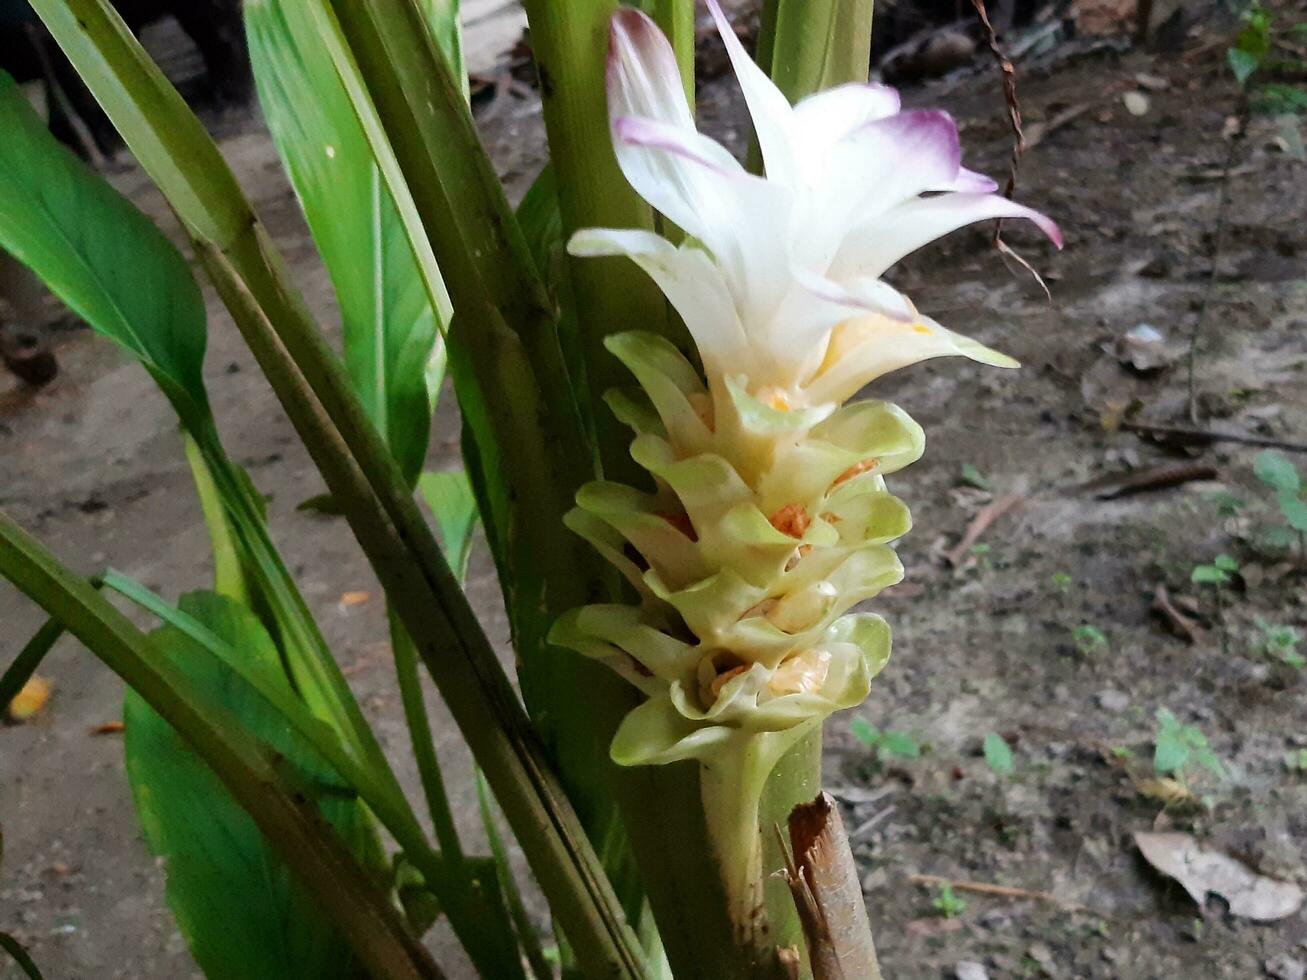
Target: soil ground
(92,465)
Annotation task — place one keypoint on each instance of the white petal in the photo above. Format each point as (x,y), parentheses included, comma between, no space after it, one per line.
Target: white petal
(866,348)
(877,166)
(861,296)
(642,76)
(829,116)
(890,160)
(691,282)
(679,172)
(771,111)
(876,245)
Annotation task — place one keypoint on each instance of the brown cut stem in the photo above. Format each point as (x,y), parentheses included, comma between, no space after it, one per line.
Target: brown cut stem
(823,878)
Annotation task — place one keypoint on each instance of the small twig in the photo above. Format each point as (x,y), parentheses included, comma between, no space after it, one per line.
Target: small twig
(1218,244)
(870,822)
(1178,621)
(1155,478)
(1208,435)
(1001,891)
(986,516)
(1009,73)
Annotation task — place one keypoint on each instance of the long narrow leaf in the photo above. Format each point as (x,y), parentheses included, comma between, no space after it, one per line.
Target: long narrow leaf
(390,325)
(343,890)
(526,932)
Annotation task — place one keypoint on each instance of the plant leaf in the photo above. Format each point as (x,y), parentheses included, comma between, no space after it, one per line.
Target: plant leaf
(1293,508)
(243,915)
(900,745)
(99,254)
(449,495)
(393,355)
(1277,471)
(1242,63)
(998,754)
(864,732)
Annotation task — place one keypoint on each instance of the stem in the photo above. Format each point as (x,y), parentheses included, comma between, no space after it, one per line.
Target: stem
(295,828)
(570,43)
(732,783)
(424,748)
(29,658)
(732,795)
(1218,243)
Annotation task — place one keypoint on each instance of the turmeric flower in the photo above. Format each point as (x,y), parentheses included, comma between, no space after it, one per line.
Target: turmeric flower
(770,517)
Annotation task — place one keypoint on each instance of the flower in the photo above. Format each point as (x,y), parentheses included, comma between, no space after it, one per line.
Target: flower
(770,517)
(779,276)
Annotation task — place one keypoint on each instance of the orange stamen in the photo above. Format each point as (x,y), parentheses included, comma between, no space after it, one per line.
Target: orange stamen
(857,469)
(792,519)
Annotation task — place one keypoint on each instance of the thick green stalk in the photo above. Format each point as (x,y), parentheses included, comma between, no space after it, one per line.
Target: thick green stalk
(675,18)
(810,45)
(570,44)
(301,836)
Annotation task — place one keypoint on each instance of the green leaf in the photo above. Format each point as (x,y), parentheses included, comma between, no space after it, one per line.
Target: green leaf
(449,495)
(1293,508)
(1226,564)
(228,577)
(1277,471)
(393,355)
(899,745)
(1242,63)
(527,936)
(998,754)
(1171,753)
(864,732)
(99,254)
(973,476)
(243,915)
(1209,575)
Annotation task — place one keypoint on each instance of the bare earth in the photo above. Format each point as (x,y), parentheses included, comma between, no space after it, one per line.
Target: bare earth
(92,464)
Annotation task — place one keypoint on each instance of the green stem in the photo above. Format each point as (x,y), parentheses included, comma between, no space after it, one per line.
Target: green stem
(424,746)
(675,18)
(29,658)
(347,895)
(570,44)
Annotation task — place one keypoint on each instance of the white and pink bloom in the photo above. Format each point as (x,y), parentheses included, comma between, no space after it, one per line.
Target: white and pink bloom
(773,265)
(770,518)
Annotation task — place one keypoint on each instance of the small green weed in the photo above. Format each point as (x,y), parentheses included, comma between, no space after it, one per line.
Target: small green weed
(886,744)
(947,904)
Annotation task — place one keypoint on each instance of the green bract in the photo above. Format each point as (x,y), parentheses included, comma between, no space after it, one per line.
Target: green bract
(765,528)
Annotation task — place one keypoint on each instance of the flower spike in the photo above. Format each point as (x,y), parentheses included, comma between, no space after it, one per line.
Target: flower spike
(770,518)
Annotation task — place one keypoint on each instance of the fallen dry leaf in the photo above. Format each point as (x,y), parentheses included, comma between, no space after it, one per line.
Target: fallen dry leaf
(354,598)
(109,728)
(30,700)
(1201,871)
(1164,789)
